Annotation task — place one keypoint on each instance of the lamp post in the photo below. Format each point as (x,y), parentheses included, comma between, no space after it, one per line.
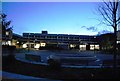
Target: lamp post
(94,43)
(35,43)
(28,43)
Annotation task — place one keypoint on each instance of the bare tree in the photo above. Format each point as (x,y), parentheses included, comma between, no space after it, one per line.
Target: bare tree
(109,13)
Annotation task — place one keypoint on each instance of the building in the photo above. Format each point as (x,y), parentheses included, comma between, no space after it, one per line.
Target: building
(11,39)
(17,40)
(7,38)
(63,41)
(51,41)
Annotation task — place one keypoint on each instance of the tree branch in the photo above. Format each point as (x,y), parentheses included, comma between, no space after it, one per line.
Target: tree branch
(118,19)
(107,15)
(101,10)
(108,6)
(103,22)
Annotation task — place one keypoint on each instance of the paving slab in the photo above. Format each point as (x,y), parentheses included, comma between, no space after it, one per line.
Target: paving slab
(8,75)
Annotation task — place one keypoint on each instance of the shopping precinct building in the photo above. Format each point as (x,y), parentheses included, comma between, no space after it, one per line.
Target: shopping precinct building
(64,41)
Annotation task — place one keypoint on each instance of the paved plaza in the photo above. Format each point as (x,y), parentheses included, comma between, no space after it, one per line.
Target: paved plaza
(8,75)
(45,54)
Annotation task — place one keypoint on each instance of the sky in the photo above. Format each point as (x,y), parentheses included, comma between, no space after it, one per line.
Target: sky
(55,17)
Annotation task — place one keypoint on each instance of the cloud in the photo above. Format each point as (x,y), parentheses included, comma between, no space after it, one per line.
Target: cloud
(83,27)
(92,28)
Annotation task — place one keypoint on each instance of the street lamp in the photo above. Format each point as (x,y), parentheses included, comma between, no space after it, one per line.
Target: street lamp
(35,43)
(28,43)
(94,43)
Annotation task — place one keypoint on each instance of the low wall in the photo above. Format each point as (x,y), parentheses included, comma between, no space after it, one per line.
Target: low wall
(77,60)
(31,57)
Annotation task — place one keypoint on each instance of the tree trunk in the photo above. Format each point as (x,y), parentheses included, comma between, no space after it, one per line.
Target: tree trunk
(115,34)
(115,46)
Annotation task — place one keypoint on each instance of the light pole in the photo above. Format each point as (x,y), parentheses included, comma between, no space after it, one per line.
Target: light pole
(94,43)
(35,43)
(28,43)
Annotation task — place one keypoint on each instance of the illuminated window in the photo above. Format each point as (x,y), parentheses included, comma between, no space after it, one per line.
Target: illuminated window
(118,42)
(24,46)
(82,47)
(37,46)
(9,42)
(7,33)
(97,47)
(42,44)
(17,42)
(91,47)
(72,45)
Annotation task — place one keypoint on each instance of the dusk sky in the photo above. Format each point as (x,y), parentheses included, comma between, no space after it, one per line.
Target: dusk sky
(55,17)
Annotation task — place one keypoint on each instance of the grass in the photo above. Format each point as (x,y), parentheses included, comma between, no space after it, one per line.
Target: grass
(19,67)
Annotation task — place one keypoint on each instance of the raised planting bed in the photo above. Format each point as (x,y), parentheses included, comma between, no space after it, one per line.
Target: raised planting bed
(32,57)
(73,60)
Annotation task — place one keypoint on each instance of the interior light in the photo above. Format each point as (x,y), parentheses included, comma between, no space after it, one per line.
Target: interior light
(24,46)
(42,44)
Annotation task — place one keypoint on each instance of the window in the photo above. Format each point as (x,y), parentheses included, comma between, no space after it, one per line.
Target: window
(7,33)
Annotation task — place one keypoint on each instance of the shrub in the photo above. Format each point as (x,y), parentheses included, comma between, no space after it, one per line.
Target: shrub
(54,64)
